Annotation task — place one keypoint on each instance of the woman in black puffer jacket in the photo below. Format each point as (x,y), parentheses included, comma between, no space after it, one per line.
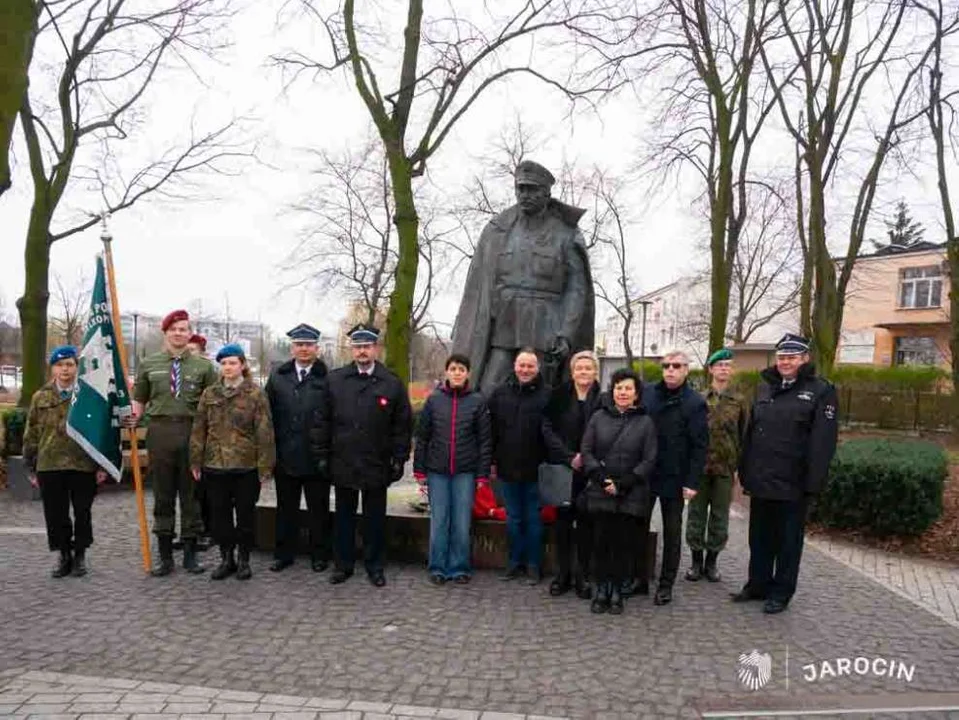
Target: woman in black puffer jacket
(453,451)
(570,407)
(619,454)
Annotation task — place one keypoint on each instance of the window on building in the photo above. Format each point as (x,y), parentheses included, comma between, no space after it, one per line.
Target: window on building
(917,351)
(920,287)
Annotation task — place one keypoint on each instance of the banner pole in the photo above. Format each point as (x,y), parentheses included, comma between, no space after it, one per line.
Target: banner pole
(107,239)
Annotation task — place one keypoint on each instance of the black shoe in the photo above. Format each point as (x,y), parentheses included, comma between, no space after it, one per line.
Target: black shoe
(512,573)
(774,607)
(710,569)
(437,579)
(280,564)
(560,586)
(319,565)
(584,590)
(695,571)
(243,570)
(600,603)
(340,576)
(226,567)
(79,563)
(204,543)
(64,565)
(664,595)
(642,588)
(377,578)
(747,594)
(177,544)
(190,562)
(166,565)
(615,601)
(534,577)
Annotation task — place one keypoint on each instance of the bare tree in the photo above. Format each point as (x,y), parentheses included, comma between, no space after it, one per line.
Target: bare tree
(446,64)
(941,119)
(71,302)
(110,53)
(838,51)
(18,29)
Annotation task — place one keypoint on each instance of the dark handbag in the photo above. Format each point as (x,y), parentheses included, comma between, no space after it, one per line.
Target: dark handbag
(555,484)
(582,502)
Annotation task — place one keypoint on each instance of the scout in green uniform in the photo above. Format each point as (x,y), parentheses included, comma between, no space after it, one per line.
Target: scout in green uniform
(197,346)
(707,524)
(168,387)
(65,474)
(233,448)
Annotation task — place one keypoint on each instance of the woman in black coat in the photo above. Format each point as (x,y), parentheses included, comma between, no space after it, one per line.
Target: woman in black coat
(570,407)
(619,454)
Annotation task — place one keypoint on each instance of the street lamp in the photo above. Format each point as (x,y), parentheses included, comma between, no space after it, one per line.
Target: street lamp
(642,341)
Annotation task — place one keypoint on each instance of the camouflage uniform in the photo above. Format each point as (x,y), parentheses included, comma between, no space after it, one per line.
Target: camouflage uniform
(232,441)
(168,437)
(65,472)
(707,524)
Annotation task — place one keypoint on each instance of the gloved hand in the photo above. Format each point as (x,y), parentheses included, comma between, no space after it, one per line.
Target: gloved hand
(397,467)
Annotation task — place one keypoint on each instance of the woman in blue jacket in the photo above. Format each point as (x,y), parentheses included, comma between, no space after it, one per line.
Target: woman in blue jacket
(452,453)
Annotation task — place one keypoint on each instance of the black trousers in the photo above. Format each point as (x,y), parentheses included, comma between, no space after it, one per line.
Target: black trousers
(671,510)
(288,491)
(574,541)
(202,494)
(374,527)
(776,531)
(613,544)
(59,489)
(233,492)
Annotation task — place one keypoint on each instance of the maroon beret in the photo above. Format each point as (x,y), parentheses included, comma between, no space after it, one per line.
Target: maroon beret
(174,317)
(198,340)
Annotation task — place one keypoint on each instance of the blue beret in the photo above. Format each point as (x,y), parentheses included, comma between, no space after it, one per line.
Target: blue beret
(304,333)
(363,334)
(64,352)
(721,354)
(791,344)
(231,350)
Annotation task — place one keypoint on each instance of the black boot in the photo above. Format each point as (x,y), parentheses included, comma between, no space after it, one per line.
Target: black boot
(166,557)
(695,571)
(190,562)
(584,588)
(80,563)
(227,564)
(243,571)
(712,572)
(64,565)
(601,600)
(615,600)
(561,585)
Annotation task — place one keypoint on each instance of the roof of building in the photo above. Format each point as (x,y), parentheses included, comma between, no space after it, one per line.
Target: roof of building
(893,249)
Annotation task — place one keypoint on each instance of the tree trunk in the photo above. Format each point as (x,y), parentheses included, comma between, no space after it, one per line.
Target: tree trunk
(721,252)
(33,304)
(404,286)
(18,29)
(827,306)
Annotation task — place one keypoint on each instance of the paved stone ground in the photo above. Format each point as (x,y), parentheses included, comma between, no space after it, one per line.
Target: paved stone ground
(487,647)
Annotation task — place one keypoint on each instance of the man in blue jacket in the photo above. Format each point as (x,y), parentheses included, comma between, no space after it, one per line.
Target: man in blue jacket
(679,413)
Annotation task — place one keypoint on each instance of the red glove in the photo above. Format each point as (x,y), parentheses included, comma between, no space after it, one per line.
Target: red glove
(420,477)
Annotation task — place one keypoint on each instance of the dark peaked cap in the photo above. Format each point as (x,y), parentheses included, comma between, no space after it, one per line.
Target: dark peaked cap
(532,173)
(304,333)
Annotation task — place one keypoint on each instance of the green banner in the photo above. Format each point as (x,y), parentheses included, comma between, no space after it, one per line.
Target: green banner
(102,395)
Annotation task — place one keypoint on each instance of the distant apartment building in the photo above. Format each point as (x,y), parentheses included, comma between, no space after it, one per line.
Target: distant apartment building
(897,308)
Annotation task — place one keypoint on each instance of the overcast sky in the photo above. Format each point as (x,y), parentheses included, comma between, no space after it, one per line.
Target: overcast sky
(228,246)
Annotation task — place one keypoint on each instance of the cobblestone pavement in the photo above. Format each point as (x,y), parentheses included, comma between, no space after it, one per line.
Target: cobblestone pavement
(486,647)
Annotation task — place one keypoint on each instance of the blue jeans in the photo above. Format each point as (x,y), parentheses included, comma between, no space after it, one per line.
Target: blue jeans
(523,525)
(451,509)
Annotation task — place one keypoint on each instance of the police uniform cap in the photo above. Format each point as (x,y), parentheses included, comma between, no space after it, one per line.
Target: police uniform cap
(529,172)
(174,317)
(304,333)
(791,344)
(231,350)
(363,334)
(64,352)
(719,355)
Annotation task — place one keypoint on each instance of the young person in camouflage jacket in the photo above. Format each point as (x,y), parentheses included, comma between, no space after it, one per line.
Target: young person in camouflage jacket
(233,448)
(65,474)
(707,523)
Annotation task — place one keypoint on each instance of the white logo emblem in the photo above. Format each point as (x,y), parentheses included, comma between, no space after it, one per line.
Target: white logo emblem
(97,364)
(830,412)
(805,395)
(754,669)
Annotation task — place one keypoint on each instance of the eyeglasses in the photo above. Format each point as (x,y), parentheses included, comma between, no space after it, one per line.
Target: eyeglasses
(673,366)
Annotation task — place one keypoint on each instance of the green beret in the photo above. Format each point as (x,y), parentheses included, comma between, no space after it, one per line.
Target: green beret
(721,354)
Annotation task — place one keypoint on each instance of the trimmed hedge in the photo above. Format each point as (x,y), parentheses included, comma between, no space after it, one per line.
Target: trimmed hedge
(14,423)
(884,487)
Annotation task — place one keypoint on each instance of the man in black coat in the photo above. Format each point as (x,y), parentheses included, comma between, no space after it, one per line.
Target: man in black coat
(682,430)
(790,441)
(517,413)
(364,437)
(296,392)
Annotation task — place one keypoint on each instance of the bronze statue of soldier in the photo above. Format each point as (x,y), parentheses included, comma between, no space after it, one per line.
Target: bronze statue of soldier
(529,284)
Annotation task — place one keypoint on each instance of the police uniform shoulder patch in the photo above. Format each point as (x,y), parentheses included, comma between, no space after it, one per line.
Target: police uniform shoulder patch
(830,412)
